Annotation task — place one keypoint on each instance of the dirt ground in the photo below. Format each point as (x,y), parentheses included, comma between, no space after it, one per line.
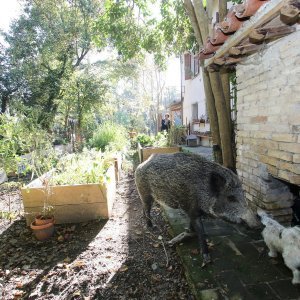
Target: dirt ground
(115,259)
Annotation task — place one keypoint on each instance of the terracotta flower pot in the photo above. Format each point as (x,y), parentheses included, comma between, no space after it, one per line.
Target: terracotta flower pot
(42,232)
(39,220)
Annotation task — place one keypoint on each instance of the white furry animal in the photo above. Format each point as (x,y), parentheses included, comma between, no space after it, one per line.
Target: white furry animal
(283,240)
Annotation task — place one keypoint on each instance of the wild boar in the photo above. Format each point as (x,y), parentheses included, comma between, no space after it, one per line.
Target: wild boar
(196,185)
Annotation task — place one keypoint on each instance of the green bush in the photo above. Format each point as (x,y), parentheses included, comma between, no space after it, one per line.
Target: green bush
(177,135)
(160,140)
(145,140)
(20,135)
(89,166)
(109,137)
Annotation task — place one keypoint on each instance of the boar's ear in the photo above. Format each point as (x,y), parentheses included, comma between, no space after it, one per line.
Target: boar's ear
(216,183)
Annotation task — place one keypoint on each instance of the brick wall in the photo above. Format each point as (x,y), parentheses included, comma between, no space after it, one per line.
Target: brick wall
(268,124)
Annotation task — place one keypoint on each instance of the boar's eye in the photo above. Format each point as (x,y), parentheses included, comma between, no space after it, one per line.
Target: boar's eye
(231,199)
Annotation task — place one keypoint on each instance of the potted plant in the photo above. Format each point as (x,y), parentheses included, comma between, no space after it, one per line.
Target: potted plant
(202,119)
(43,224)
(43,229)
(43,158)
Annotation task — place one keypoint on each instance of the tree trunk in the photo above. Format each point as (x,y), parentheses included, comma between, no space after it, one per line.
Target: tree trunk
(201,18)
(226,84)
(210,101)
(226,90)
(213,117)
(188,5)
(222,9)
(223,120)
(219,85)
(224,73)
(4,103)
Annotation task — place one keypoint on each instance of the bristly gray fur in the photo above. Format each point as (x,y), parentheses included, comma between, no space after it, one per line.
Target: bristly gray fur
(194,184)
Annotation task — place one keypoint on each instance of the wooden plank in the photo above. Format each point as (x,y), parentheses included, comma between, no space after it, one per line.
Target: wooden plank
(269,11)
(244,49)
(228,60)
(256,37)
(65,194)
(73,213)
(140,152)
(147,152)
(261,34)
(289,14)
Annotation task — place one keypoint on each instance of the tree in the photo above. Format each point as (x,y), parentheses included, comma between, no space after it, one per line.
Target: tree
(216,85)
(49,41)
(184,26)
(10,79)
(82,93)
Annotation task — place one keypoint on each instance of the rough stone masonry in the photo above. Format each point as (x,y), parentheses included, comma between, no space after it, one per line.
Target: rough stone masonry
(268,125)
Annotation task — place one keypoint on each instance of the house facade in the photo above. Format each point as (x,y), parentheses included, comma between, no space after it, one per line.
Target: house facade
(268,126)
(266,53)
(194,112)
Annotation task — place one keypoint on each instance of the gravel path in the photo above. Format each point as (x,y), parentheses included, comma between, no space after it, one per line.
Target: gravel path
(114,259)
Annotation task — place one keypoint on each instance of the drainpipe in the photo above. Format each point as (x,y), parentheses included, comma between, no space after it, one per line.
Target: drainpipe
(181,96)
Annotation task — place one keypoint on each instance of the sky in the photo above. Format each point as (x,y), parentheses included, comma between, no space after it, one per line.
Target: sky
(10,9)
(173,72)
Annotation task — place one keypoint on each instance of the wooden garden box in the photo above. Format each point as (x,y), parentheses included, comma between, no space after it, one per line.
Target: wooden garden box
(72,203)
(145,153)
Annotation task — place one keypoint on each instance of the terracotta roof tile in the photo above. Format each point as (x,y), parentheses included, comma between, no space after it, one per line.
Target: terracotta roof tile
(234,20)
(248,8)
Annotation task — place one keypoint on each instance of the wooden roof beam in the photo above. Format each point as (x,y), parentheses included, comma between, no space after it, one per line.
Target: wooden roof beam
(245,49)
(265,14)
(261,34)
(224,61)
(289,14)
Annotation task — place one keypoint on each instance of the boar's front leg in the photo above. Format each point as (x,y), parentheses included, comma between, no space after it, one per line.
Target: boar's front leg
(198,227)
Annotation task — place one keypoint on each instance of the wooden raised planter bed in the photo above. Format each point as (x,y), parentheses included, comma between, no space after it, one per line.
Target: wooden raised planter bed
(72,203)
(145,153)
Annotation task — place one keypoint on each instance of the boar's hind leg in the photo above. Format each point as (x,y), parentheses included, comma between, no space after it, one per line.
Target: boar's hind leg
(197,225)
(147,204)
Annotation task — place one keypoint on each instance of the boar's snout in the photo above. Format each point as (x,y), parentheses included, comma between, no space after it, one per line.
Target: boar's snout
(251,219)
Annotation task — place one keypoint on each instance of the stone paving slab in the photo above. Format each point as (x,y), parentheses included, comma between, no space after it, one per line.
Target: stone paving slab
(241,268)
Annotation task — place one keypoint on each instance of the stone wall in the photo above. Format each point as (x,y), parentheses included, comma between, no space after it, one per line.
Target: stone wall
(268,124)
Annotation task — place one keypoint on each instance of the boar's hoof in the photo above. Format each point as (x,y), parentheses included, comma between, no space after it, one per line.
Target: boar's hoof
(206,260)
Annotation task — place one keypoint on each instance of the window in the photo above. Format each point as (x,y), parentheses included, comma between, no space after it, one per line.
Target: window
(196,65)
(195,111)
(187,66)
